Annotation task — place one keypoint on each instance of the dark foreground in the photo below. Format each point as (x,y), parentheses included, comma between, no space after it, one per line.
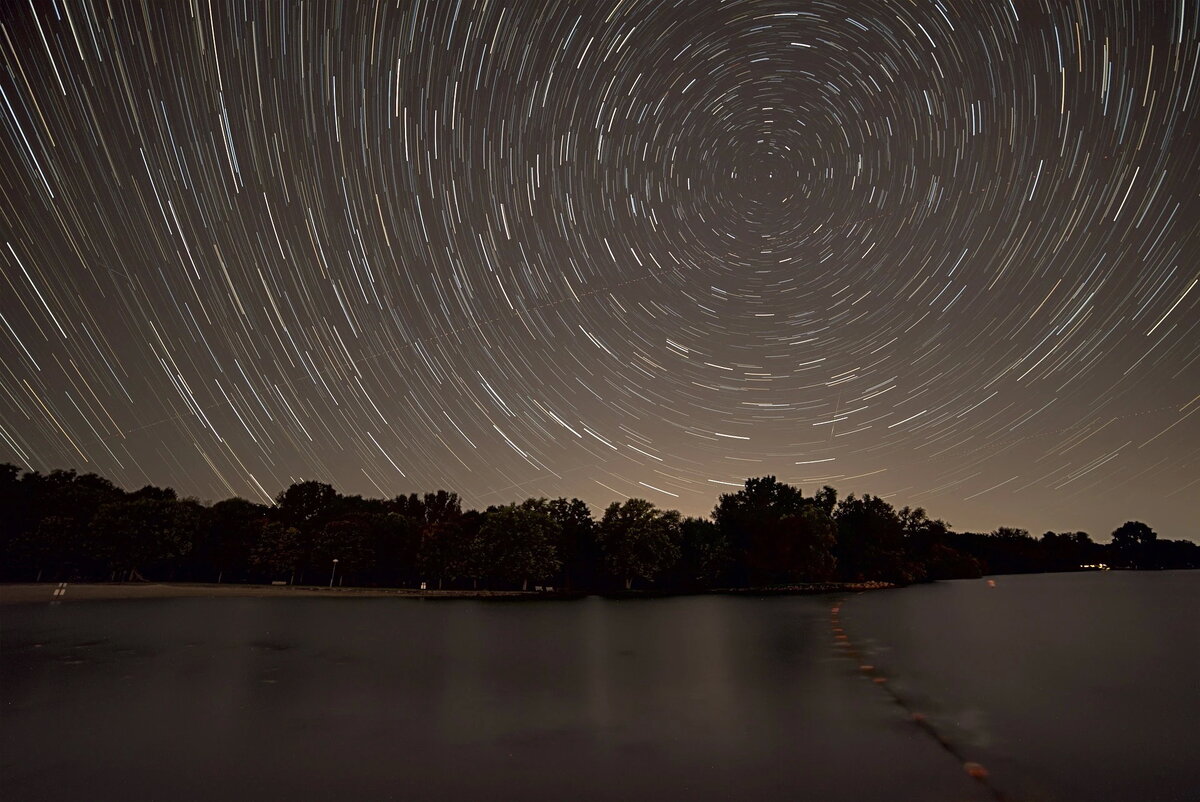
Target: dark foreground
(699,697)
(1062,687)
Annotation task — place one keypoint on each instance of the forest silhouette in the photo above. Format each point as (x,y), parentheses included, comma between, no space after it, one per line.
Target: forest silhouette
(68,526)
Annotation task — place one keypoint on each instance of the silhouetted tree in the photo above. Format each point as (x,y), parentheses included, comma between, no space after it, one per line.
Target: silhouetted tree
(870,541)
(229,531)
(43,521)
(153,493)
(305,504)
(1067,551)
(776,535)
(516,543)
(1176,554)
(929,553)
(704,557)
(55,548)
(397,542)
(307,507)
(577,546)
(441,541)
(350,541)
(826,498)
(146,533)
(68,525)
(638,540)
(278,551)
(1133,543)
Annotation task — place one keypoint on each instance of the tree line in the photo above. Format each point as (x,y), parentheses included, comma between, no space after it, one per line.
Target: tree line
(68,526)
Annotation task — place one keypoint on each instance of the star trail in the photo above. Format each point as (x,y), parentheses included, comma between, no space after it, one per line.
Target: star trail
(942,252)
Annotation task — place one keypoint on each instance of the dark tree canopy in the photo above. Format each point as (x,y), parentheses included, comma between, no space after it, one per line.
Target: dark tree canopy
(66,525)
(775,534)
(639,540)
(578,548)
(704,557)
(306,503)
(870,540)
(517,543)
(1134,543)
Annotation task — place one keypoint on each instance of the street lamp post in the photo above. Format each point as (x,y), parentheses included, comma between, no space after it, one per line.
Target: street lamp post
(334,571)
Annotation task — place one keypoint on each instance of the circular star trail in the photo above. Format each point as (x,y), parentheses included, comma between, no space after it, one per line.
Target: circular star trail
(945,253)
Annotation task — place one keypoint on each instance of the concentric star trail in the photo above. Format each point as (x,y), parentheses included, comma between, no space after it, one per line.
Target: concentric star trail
(942,252)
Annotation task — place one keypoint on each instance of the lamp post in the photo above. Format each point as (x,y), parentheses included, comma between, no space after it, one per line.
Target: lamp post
(334,571)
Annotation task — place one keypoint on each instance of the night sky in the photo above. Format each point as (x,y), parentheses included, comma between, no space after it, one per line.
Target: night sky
(946,253)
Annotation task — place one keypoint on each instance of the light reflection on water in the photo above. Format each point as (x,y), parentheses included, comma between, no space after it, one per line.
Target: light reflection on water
(1066,686)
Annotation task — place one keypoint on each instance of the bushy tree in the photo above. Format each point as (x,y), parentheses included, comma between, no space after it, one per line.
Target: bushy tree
(1067,551)
(397,542)
(639,541)
(704,557)
(870,541)
(350,541)
(278,551)
(229,531)
(436,520)
(1133,542)
(928,549)
(306,505)
(775,534)
(68,525)
(144,534)
(577,546)
(516,543)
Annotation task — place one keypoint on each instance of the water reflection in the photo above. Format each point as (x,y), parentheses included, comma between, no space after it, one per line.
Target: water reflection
(1065,686)
(698,698)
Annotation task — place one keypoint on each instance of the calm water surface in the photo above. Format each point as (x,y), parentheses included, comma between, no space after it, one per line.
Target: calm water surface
(1065,687)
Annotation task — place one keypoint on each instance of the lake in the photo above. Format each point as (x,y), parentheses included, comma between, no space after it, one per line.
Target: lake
(1063,687)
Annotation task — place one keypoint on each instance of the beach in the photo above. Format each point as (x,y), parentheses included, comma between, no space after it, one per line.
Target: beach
(42,592)
(35,592)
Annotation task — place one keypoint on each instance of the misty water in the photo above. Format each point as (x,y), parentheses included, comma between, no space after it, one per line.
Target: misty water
(1064,687)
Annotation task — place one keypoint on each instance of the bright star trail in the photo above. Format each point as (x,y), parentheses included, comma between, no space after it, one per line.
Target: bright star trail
(942,252)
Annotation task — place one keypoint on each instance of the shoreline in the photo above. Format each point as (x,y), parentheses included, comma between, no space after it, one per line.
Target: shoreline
(44,592)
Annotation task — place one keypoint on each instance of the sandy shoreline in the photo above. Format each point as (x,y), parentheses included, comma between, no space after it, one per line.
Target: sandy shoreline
(43,592)
(26,593)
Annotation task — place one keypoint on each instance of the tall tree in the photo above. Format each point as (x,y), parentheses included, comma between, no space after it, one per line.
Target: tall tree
(704,557)
(437,519)
(307,507)
(870,541)
(639,540)
(278,551)
(306,504)
(348,540)
(928,549)
(229,531)
(517,543)
(578,549)
(1067,551)
(776,535)
(145,534)
(1133,542)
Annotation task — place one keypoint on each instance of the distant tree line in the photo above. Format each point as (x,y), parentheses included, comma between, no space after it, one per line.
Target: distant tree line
(68,526)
